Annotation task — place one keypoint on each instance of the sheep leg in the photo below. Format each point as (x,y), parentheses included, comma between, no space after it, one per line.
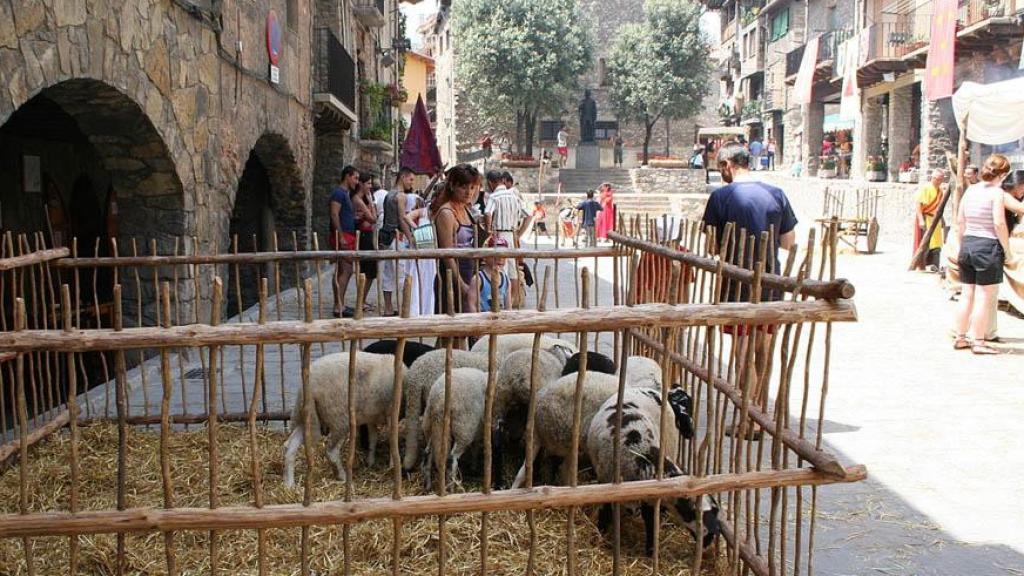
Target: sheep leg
(456,475)
(334,455)
(604,519)
(291,448)
(371,449)
(427,469)
(647,513)
(520,480)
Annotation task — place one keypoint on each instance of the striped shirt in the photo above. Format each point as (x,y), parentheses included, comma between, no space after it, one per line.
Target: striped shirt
(977,209)
(505,209)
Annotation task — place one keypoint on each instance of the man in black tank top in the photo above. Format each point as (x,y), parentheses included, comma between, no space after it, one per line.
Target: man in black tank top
(395,221)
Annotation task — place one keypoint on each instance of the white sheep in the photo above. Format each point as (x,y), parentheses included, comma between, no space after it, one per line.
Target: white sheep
(508,343)
(554,411)
(467,396)
(418,380)
(328,385)
(640,452)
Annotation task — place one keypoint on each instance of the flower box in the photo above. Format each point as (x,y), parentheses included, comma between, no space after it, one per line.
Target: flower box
(520,163)
(875,176)
(826,172)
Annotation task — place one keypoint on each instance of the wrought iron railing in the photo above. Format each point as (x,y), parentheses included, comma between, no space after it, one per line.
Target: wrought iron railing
(793,59)
(336,70)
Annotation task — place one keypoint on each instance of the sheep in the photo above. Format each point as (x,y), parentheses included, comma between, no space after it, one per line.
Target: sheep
(418,380)
(508,343)
(641,450)
(468,391)
(413,349)
(328,385)
(554,411)
(639,367)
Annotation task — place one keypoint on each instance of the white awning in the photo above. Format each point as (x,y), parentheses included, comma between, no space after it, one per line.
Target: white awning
(994,112)
(723,131)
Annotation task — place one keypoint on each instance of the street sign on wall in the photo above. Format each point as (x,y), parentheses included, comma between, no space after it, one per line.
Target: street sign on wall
(274,46)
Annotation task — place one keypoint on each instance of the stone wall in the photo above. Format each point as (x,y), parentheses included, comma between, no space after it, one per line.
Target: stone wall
(664,180)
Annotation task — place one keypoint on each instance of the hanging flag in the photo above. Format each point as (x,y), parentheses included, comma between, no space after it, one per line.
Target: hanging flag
(849,103)
(938,72)
(419,149)
(805,76)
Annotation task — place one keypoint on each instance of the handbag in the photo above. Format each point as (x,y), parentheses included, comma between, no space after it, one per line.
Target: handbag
(424,236)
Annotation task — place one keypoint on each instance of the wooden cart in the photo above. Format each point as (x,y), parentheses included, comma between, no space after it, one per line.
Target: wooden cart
(861,221)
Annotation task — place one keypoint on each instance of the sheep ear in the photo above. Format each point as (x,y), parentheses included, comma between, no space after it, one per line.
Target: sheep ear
(562,351)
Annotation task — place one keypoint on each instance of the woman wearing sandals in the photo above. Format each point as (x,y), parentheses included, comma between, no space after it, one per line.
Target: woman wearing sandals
(984,243)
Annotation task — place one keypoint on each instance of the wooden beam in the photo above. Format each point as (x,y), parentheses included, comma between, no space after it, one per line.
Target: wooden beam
(341,512)
(820,459)
(265,257)
(11,448)
(194,418)
(33,258)
(828,290)
(758,565)
(604,319)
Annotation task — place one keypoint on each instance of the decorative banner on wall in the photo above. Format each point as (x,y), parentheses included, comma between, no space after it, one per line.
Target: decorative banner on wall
(849,103)
(274,46)
(938,73)
(805,76)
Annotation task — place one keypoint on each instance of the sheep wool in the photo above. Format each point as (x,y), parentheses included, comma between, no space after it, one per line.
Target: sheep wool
(467,397)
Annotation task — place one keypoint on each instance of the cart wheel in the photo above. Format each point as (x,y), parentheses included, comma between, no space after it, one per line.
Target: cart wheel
(872,236)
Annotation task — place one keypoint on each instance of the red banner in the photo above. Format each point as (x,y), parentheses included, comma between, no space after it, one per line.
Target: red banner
(805,76)
(938,73)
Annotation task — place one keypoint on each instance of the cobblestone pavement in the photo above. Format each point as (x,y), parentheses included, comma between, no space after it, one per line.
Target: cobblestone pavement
(936,428)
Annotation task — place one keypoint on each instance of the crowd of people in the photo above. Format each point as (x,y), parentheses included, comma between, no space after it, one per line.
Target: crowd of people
(468,210)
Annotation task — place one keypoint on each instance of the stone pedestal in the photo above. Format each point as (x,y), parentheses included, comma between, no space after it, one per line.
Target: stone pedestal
(588,156)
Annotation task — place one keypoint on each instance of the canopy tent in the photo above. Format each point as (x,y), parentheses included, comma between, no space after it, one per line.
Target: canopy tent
(834,122)
(994,113)
(722,131)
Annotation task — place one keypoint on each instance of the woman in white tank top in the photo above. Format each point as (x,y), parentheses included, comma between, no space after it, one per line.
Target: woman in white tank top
(984,243)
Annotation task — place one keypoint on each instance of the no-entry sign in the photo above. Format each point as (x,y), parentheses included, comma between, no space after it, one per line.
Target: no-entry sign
(274,45)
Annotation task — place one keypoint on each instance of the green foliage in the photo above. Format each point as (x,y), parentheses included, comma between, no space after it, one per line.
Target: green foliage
(661,67)
(520,55)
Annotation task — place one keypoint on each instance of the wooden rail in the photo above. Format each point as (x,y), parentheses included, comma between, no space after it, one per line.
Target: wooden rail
(603,319)
(297,256)
(33,258)
(11,448)
(804,448)
(340,512)
(824,289)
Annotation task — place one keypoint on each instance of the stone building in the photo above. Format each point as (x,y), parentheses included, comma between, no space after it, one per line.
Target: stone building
(164,121)
(895,125)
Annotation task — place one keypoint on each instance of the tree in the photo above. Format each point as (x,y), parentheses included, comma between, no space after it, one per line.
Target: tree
(660,68)
(518,59)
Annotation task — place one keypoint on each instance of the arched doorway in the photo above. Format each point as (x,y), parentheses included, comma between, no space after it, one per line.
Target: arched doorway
(269,201)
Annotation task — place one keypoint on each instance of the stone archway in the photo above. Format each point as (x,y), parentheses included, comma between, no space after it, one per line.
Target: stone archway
(81,159)
(269,200)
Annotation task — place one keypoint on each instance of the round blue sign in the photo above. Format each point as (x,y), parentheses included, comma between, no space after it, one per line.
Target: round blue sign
(273,37)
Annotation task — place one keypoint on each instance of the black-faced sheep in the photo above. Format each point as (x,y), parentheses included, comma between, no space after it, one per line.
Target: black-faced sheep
(641,450)
(554,411)
(467,396)
(328,385)
(413,349)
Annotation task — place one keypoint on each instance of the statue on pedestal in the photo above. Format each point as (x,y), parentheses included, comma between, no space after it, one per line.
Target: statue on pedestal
(588,117)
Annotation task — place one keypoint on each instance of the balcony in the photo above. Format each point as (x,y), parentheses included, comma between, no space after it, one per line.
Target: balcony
(335,89)
(751,113)
(729,31)
(981,25)
(370,12)
(753,64)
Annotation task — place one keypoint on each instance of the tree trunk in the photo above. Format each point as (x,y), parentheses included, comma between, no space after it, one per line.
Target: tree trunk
(648,128)
(531,129)
(668,137)
(519,131)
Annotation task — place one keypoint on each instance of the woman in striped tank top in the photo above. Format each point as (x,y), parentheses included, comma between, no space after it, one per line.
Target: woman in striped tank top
(984,243)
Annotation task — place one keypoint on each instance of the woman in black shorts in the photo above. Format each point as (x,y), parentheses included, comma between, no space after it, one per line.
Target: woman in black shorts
(984,243)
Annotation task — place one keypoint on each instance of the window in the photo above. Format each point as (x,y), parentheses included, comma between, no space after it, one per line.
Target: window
(549,129)
(779,26)
(606,129)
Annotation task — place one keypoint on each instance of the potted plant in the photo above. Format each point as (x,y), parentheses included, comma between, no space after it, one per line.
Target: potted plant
(992,9)
(828,167)
(876,169)
(512,160)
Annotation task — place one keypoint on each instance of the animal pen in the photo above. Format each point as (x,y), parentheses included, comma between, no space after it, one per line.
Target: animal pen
(147,440)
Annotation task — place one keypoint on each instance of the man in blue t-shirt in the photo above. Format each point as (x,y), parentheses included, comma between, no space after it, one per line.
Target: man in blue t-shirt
(343,236)
(754,207)
(589,208)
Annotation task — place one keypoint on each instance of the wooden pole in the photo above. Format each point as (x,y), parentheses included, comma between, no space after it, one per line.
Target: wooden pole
(340,512)
(33,258)
(508,322)
(832,290)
